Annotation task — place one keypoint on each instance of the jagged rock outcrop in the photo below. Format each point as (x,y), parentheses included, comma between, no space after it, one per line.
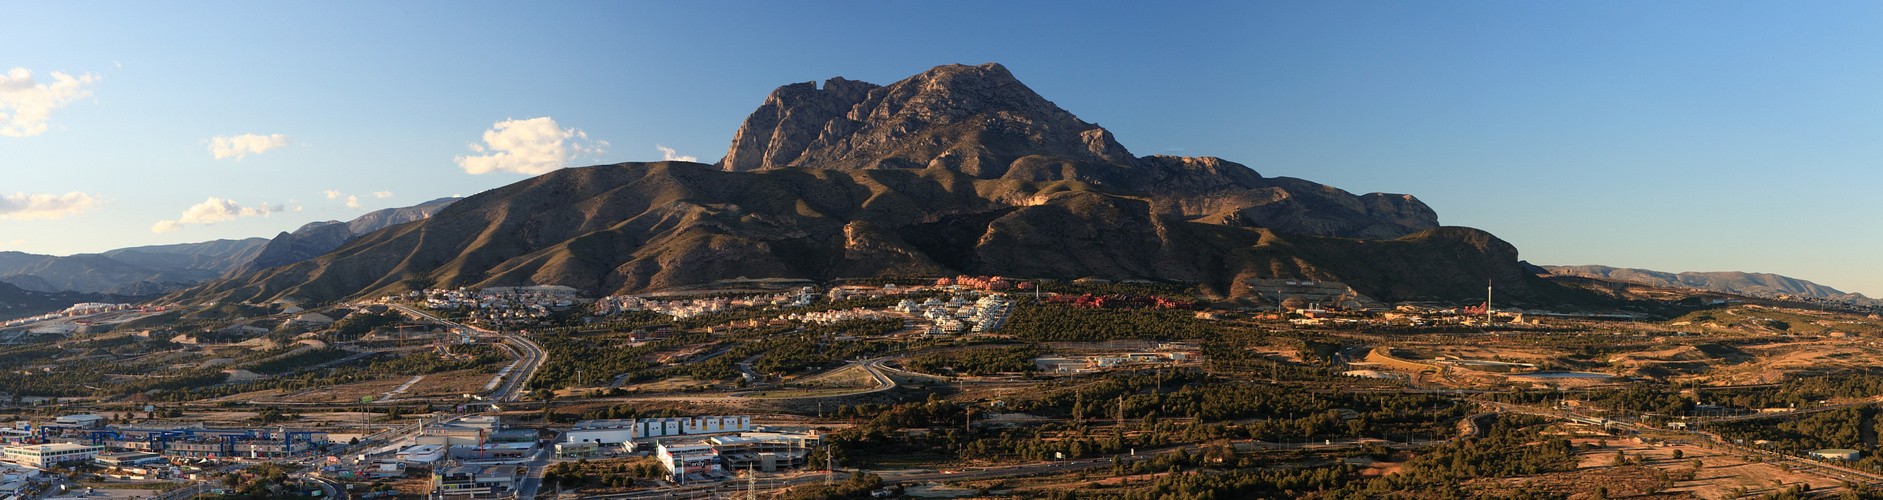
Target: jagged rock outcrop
(981,121)
(960,169)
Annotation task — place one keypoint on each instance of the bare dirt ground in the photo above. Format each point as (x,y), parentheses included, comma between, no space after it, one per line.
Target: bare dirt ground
(1659,475)
(850,376)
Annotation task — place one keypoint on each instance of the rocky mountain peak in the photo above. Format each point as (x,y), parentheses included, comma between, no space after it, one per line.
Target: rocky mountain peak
(976,120)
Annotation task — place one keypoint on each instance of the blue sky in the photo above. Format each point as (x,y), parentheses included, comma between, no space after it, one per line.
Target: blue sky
(1677,136)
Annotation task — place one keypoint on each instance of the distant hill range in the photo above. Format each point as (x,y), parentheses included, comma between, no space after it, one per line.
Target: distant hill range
(160,269)
(19,303)
(128,271)
(1751,284)
(958,170)
(317,238)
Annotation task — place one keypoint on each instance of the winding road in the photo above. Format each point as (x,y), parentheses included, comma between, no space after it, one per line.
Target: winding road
(533,356)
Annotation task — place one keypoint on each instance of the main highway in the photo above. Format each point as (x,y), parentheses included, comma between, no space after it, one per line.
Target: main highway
(516,383)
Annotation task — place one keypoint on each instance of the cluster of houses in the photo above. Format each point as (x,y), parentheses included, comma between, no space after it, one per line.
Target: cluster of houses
(687,308)
(80,309)
(991,283)
(828,317)
(984,315)
(1088,364)
(496,305)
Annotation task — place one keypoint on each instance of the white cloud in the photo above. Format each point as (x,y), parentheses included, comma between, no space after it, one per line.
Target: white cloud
(382,194)
(239,146)
(353,202)
(534,146)
(26,104)
(212,211)
(22,206)
(331,194)
(667,153)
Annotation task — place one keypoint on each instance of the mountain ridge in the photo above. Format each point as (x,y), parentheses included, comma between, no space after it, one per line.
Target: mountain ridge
(1738,282)
(317,238)
(959,170)
(159,269)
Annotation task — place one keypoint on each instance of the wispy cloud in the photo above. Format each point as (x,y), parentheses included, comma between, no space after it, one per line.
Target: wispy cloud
(212,211)
(22,206)
(353,201)
(534,146)
(382,194)
(26,104)
(669,154)
(239,146)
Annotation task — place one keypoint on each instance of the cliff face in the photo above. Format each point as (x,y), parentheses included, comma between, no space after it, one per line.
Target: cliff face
(981,121)
(961,169)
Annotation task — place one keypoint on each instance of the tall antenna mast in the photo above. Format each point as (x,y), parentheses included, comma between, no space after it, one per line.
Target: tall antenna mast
(751,483)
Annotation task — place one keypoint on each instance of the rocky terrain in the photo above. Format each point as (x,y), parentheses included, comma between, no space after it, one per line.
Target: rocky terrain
(981,121)
(960,169)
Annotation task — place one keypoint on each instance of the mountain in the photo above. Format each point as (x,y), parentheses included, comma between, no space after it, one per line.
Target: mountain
(160,269)
(18,303)
(317,238)
(1754,284)
(128,271)
(981,121)
(960,169)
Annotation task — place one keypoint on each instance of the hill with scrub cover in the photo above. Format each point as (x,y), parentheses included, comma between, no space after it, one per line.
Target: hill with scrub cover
(961,169)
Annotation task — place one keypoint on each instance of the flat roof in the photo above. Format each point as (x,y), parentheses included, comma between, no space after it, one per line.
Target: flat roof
(127,454)
(55,447)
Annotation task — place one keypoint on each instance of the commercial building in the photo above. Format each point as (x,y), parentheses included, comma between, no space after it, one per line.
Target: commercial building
(1836,454)
(689,458)
(576,450)
(475,482)
(217,443)
(494,450)
(42,455)
(129,458)
(421,454)
(763,451)
(83,421)
(454,435)
(615,431)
